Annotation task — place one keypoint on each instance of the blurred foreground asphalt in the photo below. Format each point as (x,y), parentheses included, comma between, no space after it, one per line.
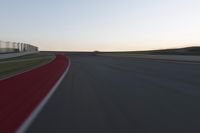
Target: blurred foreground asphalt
(124,95)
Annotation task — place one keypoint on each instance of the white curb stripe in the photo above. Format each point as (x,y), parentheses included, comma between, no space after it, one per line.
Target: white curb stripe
(26,124)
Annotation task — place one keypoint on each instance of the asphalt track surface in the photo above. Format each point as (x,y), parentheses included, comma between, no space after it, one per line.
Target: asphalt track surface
(124,95)
(20,94)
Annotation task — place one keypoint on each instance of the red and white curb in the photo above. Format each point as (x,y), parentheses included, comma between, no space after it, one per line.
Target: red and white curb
(26,124)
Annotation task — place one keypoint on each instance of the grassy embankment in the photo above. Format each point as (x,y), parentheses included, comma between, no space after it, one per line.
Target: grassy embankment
(178,51)
(12,66)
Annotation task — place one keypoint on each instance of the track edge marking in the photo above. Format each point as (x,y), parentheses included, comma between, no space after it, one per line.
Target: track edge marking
(26,124)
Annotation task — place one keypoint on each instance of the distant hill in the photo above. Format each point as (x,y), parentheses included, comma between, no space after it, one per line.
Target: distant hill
(180,51)
(177,51)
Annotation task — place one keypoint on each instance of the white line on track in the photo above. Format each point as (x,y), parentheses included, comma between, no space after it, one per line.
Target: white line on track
(26,124)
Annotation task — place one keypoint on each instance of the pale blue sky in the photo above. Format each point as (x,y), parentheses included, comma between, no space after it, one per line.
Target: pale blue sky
(101,24)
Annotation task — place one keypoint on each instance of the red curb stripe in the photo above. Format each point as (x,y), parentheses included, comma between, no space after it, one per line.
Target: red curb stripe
(19,95)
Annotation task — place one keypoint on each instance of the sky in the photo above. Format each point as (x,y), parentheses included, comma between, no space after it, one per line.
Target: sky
(103,25)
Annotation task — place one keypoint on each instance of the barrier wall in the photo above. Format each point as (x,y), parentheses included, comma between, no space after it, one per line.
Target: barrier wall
(14,47)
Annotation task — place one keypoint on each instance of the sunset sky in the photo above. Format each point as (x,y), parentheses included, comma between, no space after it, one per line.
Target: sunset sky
(104,25)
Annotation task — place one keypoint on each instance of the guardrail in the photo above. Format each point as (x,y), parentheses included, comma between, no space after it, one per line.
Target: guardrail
(14,47)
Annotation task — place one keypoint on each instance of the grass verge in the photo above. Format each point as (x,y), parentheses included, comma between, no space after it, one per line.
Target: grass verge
(30,56)
(13,68)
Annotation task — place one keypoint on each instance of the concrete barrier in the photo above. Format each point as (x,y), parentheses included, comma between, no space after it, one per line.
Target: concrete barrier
(11,55)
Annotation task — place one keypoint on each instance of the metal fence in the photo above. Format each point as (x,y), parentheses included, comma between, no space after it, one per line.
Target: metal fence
(13,47)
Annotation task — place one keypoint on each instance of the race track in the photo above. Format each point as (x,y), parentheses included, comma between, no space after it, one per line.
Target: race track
(124,95)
